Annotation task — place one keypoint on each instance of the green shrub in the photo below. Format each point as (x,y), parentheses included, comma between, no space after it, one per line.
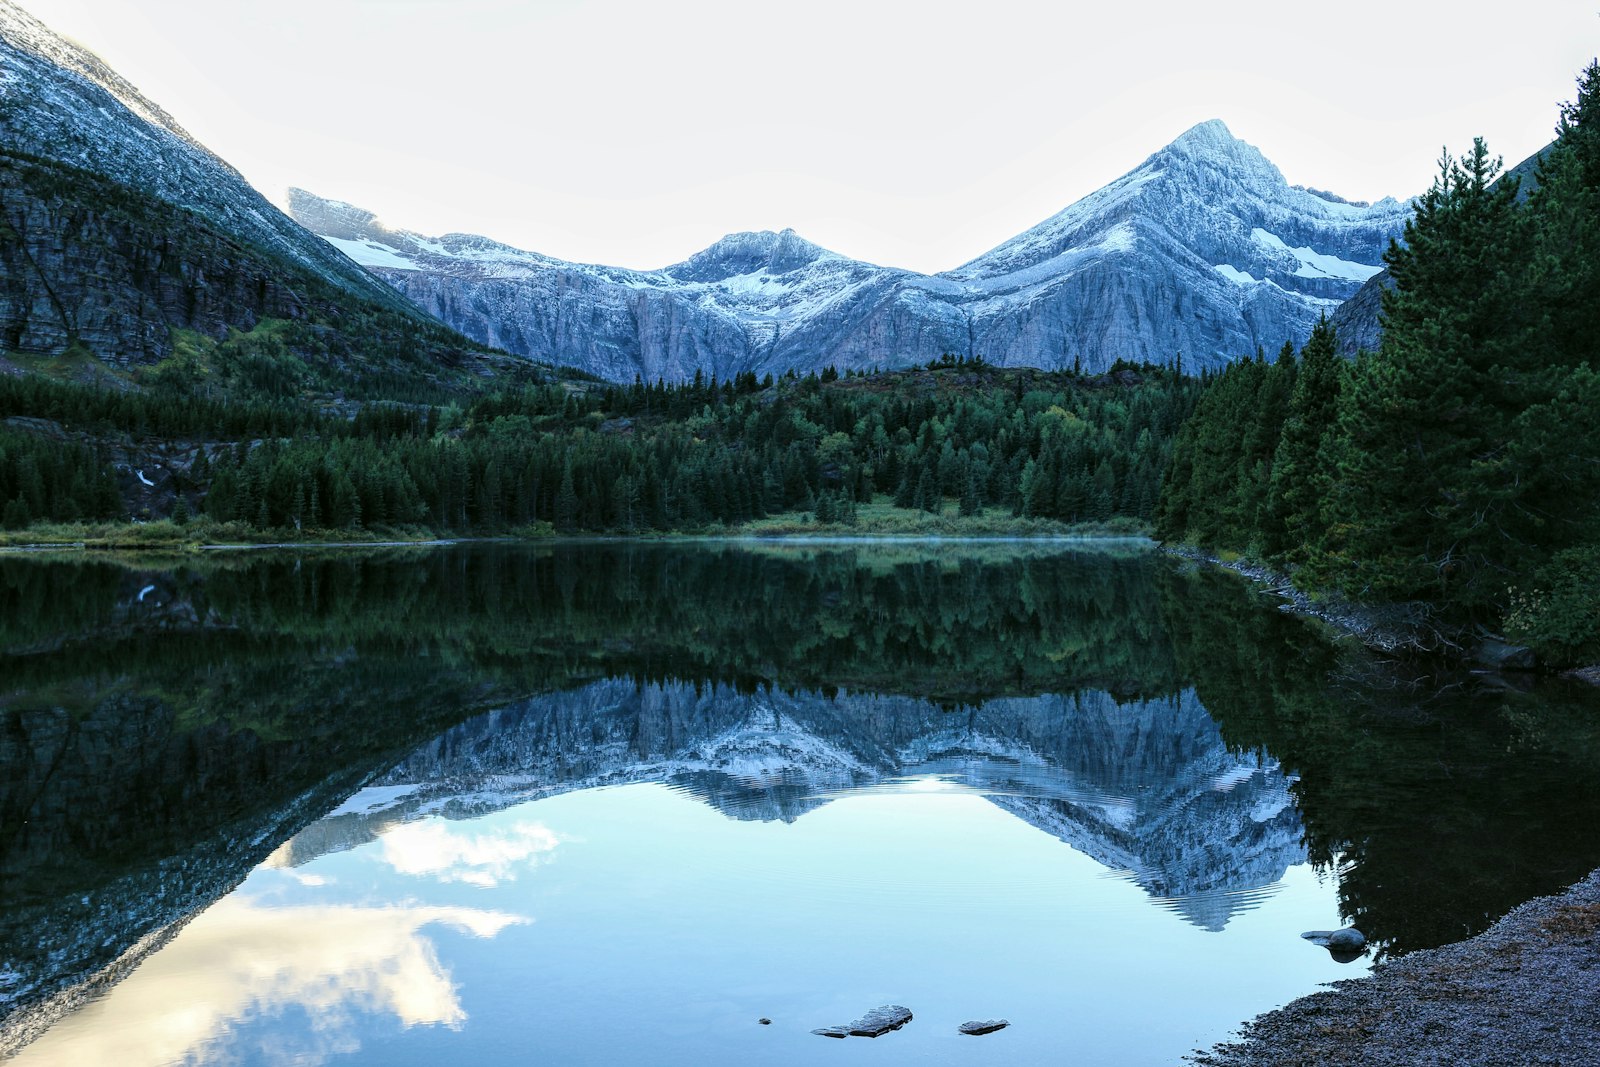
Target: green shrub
(1558,616)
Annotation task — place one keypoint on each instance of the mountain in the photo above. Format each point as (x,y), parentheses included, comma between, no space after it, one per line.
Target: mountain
(1204,249)
(118,230)
(61,102)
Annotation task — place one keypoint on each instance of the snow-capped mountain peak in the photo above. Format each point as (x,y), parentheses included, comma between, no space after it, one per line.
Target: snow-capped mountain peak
(764,252)
(1204,249)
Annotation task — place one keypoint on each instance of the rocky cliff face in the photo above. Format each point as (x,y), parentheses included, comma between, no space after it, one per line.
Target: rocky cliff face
(1146,787)
(84,261)
(1204,250)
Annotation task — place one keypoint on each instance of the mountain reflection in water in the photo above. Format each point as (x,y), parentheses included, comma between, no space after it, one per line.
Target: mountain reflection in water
(539,739)
(1143,787)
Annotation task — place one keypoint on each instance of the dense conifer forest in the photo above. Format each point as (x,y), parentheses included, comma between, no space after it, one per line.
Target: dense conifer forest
(957,436)
(1456,468)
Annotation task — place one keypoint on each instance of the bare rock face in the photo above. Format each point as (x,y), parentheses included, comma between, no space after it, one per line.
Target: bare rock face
(1204,251)
(116,273)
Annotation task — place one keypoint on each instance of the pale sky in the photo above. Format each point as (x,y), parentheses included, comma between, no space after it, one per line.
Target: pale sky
(914,135)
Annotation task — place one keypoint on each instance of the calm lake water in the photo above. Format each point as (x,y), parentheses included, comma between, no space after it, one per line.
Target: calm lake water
(615,803)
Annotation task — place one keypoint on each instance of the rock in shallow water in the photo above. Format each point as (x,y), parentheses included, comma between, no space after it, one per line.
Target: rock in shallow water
(880,1021)
(875,1023)
(987,1026)
(1338,941)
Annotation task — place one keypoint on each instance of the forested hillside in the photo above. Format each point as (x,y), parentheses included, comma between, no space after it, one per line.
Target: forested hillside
(1458,466)
(957,436)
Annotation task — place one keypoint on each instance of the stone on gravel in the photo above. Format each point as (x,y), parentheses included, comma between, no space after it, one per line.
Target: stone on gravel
(987,1026)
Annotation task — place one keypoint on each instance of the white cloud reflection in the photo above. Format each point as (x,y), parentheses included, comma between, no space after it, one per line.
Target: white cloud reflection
(481,859)
(240,961)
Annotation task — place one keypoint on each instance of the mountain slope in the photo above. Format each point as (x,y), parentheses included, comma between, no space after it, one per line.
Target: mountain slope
(1204,250)
(61,102)
(119,233)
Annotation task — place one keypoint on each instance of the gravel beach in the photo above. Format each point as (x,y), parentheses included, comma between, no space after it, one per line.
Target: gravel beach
(1525,991)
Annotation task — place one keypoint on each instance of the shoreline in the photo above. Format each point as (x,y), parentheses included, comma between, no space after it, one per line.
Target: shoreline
(734,537)
(1396,631)
(1525,991)
(1391,631)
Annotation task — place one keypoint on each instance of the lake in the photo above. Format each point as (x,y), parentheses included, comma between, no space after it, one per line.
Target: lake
(604,803)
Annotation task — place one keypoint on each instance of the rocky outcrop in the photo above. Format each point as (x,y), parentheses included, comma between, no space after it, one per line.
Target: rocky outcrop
(875,1023)
(84,262)
(1356,323)
(980,1027)
(1204,251)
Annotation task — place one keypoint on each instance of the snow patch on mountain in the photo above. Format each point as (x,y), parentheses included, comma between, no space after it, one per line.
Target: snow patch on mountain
(372,254)
(1237,276)
(1314,264)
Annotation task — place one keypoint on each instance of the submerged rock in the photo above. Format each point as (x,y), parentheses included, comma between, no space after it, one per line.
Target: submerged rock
(764,1021)
(875,1023)
(1500,656)
(987,1026)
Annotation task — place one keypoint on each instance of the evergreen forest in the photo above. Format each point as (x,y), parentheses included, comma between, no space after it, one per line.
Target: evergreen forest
(1457,468)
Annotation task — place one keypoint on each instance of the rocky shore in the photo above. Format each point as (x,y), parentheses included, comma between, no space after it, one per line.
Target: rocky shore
(1395,630)
(1524,992)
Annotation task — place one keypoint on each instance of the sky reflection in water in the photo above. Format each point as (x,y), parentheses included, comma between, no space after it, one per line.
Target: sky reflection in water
(449,918)
(1088,792)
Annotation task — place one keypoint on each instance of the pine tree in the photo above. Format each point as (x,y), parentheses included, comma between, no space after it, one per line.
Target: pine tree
(1420,494)
(566,512)
(971,497)
(1301,466)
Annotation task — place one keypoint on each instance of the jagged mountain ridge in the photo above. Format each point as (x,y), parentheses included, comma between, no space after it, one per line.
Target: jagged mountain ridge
(1204,250)
(1146,787)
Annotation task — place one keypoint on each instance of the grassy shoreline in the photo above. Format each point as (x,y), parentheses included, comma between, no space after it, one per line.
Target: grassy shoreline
(874,521)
